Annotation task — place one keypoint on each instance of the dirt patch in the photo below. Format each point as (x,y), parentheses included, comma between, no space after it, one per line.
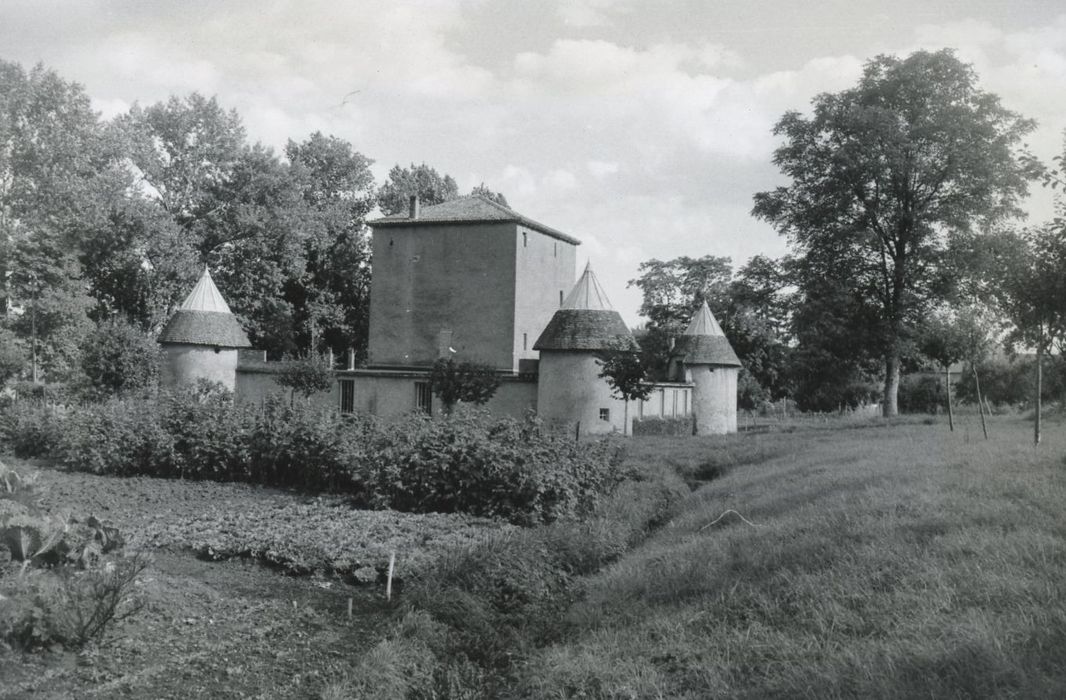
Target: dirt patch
(210,630)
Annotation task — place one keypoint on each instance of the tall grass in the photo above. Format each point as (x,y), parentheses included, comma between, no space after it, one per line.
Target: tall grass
(882,563)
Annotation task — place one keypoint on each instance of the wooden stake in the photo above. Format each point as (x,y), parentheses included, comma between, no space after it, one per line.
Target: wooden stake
(388,583)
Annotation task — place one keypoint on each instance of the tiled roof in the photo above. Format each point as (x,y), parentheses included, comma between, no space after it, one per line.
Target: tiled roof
(585,329)
(470,209)
(704,343)
(204,328)
(205,319)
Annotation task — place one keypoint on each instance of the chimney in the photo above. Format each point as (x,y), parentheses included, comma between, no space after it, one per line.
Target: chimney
(415,208)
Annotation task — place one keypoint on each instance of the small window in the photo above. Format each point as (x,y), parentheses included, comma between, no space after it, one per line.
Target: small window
(605,414)
(525,239)
(525,340)
(423,397)
(560,298)
(347,396)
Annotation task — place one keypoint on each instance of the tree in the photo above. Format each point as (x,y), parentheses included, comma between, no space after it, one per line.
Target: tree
(119,359)
(945,342)
(332,298)
(306,375)
(421,180)
(468,382)
(1029,269)
(51,158)
(12,356)
(483,191)
(672,291)
(882,173)
(626,372)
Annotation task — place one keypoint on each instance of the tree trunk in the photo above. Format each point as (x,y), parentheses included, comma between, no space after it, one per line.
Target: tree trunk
(980,402)
(890,407)
(33,335)
(625,418)
(947,384)
(1039,383)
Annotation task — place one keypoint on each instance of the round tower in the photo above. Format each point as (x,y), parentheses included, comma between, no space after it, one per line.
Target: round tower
(201,339)
(569,389)
(711,365)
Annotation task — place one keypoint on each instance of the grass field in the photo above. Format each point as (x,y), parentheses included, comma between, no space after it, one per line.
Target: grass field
(895,561)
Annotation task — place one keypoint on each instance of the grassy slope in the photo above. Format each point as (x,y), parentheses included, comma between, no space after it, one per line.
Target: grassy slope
(899,561)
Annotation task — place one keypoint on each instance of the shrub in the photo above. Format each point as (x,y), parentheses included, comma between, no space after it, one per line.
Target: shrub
(305,376)
(493,467)
(923,394)
(118,359)
(468,382)
(32,428)
(680,425)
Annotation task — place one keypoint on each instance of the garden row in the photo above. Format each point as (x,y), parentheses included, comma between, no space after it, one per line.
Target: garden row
(470,462)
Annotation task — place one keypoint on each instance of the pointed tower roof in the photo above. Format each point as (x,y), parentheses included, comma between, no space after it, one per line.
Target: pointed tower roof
(204,318)
(704,343)
(587,293)
(586,321)
(205,296)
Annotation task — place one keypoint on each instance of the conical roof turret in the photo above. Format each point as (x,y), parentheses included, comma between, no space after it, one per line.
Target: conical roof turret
(204,318)
(586,321)
(704,342)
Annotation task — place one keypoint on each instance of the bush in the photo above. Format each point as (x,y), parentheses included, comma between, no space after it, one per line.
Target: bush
(922,394)
(469,463)
(496,467)
(680,425)
(32,428)
(118,359)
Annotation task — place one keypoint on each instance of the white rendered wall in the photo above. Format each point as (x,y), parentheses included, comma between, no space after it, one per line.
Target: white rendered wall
(714,399)
(184,364)
(569,390)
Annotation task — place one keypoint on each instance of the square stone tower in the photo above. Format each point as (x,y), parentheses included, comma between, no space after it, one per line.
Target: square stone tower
(468,278)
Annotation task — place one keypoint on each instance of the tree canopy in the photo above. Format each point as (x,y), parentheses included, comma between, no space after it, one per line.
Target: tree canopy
(882,175)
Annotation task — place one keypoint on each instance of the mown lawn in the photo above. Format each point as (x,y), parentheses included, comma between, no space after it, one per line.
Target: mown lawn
(895,561)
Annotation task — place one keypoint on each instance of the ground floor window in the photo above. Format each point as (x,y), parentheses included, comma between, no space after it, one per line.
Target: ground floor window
(605,414)
(423,397)
(347,396)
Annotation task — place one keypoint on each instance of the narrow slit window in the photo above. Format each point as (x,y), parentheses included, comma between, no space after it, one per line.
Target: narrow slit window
(560,298)
(525,340)
(525,239)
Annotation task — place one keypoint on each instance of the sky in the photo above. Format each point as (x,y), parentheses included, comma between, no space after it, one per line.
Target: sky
(641,128)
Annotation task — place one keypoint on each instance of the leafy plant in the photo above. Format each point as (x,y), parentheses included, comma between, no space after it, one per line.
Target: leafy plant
(467,382)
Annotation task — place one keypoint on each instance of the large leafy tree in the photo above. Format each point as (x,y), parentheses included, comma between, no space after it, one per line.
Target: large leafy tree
(51,158)
(752,309)
(332,297)
(403,183)
(881,174)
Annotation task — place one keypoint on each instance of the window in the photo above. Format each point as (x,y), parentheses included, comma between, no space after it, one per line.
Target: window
(525,340)
(423,397)
(347,396)
(525,239)
(605,414)
(560,298)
